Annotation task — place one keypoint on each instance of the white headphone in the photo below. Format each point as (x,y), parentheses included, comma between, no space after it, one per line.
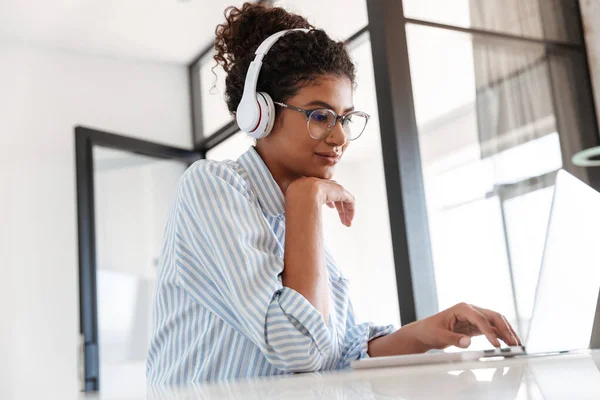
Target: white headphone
(255,114)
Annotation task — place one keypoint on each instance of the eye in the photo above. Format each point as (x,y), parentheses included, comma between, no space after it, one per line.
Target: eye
(319,116)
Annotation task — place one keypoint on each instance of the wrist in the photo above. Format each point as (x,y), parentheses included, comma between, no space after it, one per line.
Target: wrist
(307,190)
(403,341)
(409,335)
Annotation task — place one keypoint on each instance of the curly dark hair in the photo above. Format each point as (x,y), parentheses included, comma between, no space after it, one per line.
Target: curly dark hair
(293,62)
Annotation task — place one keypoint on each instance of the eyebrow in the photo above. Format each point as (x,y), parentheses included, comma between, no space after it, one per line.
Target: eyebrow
(326,105)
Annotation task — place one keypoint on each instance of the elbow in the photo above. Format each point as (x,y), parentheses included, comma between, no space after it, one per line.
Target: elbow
(296,340)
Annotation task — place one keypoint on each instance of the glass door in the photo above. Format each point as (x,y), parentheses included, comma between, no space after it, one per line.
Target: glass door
(129,191)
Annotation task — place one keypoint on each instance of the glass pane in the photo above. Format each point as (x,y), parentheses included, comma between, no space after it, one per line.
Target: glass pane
(548,19)
(364,252)
(212,85)
(486,128)
(339,18)
(132,195)
(232,148)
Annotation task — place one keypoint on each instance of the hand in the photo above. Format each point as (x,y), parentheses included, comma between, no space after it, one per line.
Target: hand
(456,325)
(328,192)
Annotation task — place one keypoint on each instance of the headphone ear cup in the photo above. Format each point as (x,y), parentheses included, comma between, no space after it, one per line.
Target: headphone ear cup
(271,112)
(266,118)
(248,114)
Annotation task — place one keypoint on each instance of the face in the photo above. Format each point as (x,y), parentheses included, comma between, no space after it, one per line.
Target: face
(291,152)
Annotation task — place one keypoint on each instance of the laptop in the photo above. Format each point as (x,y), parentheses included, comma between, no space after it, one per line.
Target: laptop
(566,312)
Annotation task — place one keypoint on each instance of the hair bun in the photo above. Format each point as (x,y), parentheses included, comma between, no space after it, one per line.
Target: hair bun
(247,27)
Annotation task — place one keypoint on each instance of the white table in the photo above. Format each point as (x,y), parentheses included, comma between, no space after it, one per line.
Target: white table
(567,376)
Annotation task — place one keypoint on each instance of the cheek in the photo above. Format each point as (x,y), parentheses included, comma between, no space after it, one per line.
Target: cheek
(297,140)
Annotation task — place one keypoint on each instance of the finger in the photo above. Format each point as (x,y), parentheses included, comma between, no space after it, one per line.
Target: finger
(503,328)
(340,209)
(449,338)
(331,204)
(350,211)
(475,332)
(498,321)
(350,207)
(476,318)
(345,217)
(517,338)
(499,334)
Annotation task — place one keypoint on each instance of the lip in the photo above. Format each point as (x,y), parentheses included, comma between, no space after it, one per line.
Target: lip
(330,157)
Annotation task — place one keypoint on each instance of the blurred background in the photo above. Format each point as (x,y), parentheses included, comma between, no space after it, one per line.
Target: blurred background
(475,105)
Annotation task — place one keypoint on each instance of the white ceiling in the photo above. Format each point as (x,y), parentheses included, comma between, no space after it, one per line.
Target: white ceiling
(161,30)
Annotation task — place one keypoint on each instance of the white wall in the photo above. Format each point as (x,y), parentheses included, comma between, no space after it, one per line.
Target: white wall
(43,95)
(590,10)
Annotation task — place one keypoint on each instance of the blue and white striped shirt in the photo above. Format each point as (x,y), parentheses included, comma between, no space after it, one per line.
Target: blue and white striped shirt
(220,309)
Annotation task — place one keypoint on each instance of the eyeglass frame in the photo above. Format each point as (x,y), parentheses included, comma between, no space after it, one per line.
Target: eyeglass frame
(341,118)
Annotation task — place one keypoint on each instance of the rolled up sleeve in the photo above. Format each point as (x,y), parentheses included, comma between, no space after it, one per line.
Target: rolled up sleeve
(225,262)
(358,336)
(296,332)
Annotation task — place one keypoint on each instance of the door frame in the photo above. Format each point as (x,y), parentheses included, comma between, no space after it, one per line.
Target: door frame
(85,140)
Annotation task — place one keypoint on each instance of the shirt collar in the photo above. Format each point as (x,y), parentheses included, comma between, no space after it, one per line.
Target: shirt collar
(269,194)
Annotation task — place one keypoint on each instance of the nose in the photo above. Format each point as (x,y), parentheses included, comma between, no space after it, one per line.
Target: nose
(337,136)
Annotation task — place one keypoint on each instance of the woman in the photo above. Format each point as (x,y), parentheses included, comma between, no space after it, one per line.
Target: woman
(246,287)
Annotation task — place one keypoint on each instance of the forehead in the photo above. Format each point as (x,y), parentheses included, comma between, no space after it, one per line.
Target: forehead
(333,90)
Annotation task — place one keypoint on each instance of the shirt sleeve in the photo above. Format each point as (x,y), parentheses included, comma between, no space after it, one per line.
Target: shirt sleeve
(358,336)
(226,260)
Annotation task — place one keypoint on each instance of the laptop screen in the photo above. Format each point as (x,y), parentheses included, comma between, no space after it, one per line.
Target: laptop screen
(569,283)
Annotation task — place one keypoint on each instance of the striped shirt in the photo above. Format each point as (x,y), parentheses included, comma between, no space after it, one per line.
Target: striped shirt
(220,309)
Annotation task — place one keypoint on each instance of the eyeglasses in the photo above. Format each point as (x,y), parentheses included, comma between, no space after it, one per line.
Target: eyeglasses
(320,122)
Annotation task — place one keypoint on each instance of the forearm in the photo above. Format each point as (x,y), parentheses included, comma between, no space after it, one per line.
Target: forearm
(305,270)
(402,341)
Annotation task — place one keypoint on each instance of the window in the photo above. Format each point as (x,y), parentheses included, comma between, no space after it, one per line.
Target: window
(548,19)
(364,252)
(339,18)
(231,148)
(488,135)
(212,86)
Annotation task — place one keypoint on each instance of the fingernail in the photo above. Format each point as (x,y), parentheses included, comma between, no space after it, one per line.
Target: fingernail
(464,342)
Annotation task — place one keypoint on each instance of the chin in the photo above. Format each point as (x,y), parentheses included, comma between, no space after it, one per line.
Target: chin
(326,174)
(319,172)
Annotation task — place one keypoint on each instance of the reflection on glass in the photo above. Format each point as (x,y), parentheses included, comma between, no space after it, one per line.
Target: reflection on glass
(487,133)
(494,382)
(547,19)
(132,196)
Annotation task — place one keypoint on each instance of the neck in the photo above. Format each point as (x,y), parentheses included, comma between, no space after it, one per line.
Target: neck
(283,176)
